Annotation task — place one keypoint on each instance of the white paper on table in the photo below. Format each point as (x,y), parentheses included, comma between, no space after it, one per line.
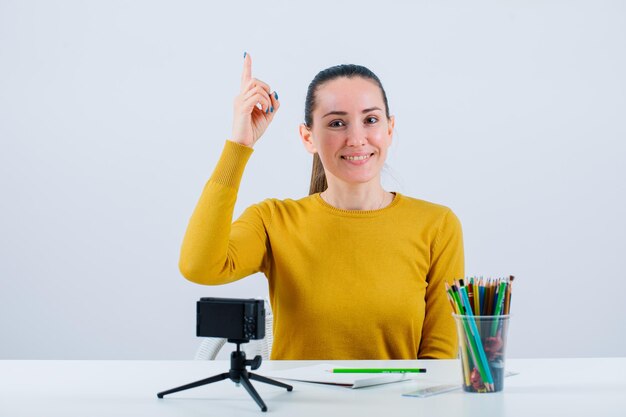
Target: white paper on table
(323,374)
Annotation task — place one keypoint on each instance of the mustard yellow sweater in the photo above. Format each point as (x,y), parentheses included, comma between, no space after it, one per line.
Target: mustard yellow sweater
(344,284)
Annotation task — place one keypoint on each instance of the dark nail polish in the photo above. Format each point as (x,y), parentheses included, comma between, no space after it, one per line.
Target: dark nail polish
(275,95)
(271,109)
(266,110)
(244,55)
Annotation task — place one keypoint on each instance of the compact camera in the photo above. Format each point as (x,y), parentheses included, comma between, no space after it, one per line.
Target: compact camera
(231,318)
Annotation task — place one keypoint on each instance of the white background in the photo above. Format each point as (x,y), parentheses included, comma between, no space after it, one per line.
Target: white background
(113,115)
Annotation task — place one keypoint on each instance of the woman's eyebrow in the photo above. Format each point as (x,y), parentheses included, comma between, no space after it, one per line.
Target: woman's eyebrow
(343,113)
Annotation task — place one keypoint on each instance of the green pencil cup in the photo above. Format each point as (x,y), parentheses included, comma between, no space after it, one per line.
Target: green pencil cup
(482,349)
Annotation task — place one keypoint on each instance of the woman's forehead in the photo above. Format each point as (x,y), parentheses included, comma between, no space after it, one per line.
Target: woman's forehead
(349,94)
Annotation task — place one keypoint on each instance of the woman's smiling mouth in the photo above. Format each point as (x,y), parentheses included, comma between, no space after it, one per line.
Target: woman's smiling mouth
(357,159)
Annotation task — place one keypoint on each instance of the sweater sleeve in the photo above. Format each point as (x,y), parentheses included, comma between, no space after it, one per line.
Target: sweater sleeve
(215,250)
(439,338)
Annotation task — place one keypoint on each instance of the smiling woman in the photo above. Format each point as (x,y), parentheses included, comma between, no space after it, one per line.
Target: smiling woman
(354,271)
(348,133)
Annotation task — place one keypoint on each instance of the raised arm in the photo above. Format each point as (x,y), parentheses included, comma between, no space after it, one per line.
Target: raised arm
(214,251)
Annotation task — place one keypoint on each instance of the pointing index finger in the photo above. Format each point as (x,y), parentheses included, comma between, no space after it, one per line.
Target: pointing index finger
(246,75)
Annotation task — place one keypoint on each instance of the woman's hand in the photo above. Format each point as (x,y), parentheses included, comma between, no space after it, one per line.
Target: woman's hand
(250,121)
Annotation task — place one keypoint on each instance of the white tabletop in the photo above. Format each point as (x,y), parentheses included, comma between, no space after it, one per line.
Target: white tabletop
(544,387)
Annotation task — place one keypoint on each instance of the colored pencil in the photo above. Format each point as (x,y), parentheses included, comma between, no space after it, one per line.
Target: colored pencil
(472,298)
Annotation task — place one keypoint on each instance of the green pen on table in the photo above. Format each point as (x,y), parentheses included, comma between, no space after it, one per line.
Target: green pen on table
(378,370)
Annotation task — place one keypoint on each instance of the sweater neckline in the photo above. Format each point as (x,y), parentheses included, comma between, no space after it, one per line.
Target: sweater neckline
(359,213)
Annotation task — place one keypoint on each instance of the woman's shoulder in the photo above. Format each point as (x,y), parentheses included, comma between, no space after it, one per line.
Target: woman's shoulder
(286,204)
(431,212)
(277,211)
(423,205)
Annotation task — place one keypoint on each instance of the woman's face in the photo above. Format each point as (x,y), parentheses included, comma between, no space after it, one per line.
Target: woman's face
(350,130)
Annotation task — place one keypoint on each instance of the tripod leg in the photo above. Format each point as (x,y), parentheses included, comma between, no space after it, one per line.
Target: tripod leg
(248,386)
(205,381)
(269,381)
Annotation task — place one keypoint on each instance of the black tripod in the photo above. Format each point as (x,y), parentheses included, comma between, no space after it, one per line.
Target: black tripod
(238,374)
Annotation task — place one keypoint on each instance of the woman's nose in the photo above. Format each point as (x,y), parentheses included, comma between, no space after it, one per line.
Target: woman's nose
(356,135)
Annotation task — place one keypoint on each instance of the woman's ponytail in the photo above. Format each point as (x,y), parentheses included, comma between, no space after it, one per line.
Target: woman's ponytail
(318,177)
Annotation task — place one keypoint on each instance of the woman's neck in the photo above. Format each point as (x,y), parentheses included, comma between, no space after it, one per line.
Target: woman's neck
(357,197)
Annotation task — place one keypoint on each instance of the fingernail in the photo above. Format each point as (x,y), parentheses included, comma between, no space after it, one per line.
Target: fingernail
(244,55)
(266,110)
(271,109)
(275,95)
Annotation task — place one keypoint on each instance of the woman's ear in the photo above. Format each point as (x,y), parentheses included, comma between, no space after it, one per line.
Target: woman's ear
(391,123)
(306,135)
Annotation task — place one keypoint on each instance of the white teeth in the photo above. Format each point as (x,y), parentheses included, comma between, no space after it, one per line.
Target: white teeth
(356,158)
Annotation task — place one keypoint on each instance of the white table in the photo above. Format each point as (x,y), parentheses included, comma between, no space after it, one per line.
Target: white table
(544,387)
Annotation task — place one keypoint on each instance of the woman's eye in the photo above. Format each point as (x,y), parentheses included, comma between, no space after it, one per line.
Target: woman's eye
(339,123)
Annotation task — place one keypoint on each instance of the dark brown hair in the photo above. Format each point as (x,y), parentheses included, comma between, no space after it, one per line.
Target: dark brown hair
(318,177)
